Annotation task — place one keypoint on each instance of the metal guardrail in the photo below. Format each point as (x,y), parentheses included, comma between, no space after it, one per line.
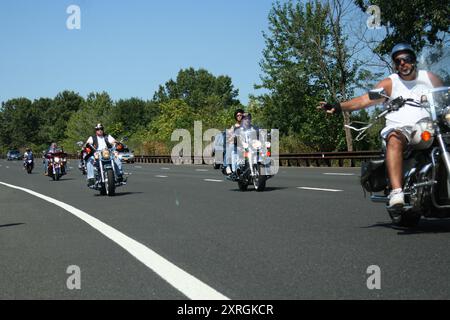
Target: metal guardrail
(287,159)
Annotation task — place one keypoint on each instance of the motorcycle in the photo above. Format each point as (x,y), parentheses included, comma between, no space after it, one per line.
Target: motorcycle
(426,167)
(56,165)
(104,170)
(253,163)
(82,155)
(29,165)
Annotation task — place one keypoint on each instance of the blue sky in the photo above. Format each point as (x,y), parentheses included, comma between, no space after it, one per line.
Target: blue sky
(127,48)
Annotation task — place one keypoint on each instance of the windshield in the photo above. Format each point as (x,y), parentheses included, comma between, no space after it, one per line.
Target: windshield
(437,100)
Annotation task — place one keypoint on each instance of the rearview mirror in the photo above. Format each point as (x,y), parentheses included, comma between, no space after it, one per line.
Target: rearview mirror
(376,94)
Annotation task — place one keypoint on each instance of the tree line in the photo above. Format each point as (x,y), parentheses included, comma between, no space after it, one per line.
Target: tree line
(312,53)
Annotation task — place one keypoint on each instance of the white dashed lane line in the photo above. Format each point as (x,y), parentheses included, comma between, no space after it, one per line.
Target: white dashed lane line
(212,180)
(338,174)
(319,189)
(161,176)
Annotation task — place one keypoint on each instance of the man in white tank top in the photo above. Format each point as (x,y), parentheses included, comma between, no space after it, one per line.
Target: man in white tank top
(408,82)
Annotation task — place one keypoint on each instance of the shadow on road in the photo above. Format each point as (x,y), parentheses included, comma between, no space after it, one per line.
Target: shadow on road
(10,225)
(267,189)
(425,226)
(119,194)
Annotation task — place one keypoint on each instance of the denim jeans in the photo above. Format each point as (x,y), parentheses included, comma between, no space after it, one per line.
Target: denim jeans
(90,167)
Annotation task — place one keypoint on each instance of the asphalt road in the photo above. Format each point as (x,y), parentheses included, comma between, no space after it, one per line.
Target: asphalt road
(289,242)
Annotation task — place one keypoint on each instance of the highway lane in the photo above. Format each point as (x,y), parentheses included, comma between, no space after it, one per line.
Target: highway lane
(285,243)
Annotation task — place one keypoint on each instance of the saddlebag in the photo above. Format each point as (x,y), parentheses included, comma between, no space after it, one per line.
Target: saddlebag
(373,175)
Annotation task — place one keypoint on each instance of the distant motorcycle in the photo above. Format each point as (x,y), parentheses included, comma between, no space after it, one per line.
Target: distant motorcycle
(29,165)
(104,170)
(56,165)
(253,164)
(82,155)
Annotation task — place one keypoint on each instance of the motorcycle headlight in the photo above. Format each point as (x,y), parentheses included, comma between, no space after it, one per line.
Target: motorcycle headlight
(446,116)
(56,159)
(268,145)
(105,154)
(245,145)
(256,144)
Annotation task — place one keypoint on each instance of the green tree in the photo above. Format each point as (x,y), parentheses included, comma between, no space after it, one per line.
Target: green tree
(199,88)
(419,22)
(306,60)
(56,114)
(97,108)
(130,115)
(19,123)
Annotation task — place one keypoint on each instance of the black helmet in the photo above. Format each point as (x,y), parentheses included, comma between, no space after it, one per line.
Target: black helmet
(99,126)
(238,111)
(402,47)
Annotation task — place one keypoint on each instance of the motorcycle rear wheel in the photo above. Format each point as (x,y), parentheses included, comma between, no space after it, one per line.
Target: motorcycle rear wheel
(405,219)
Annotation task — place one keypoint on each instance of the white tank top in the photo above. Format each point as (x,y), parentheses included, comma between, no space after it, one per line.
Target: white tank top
(408,115)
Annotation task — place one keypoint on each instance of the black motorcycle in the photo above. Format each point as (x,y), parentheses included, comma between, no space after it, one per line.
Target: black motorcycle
(426,183)
(29,165)
(105,173)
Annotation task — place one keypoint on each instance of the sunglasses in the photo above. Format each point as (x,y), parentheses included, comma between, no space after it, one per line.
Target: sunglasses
(405,58)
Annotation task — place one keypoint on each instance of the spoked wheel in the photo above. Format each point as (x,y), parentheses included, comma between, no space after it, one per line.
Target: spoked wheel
(259,181)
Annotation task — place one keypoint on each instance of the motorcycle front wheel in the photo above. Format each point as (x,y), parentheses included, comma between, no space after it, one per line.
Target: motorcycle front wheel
(242,185)
(110,185)
(259,181)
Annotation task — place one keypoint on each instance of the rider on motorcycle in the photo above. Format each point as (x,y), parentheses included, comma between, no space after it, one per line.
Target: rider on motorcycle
(407,82)
(245,125)
(100,141)
(230,150)
(52,149)
(28,155)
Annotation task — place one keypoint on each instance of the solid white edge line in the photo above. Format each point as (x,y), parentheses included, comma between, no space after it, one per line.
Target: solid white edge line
(187,284)
(319,189)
